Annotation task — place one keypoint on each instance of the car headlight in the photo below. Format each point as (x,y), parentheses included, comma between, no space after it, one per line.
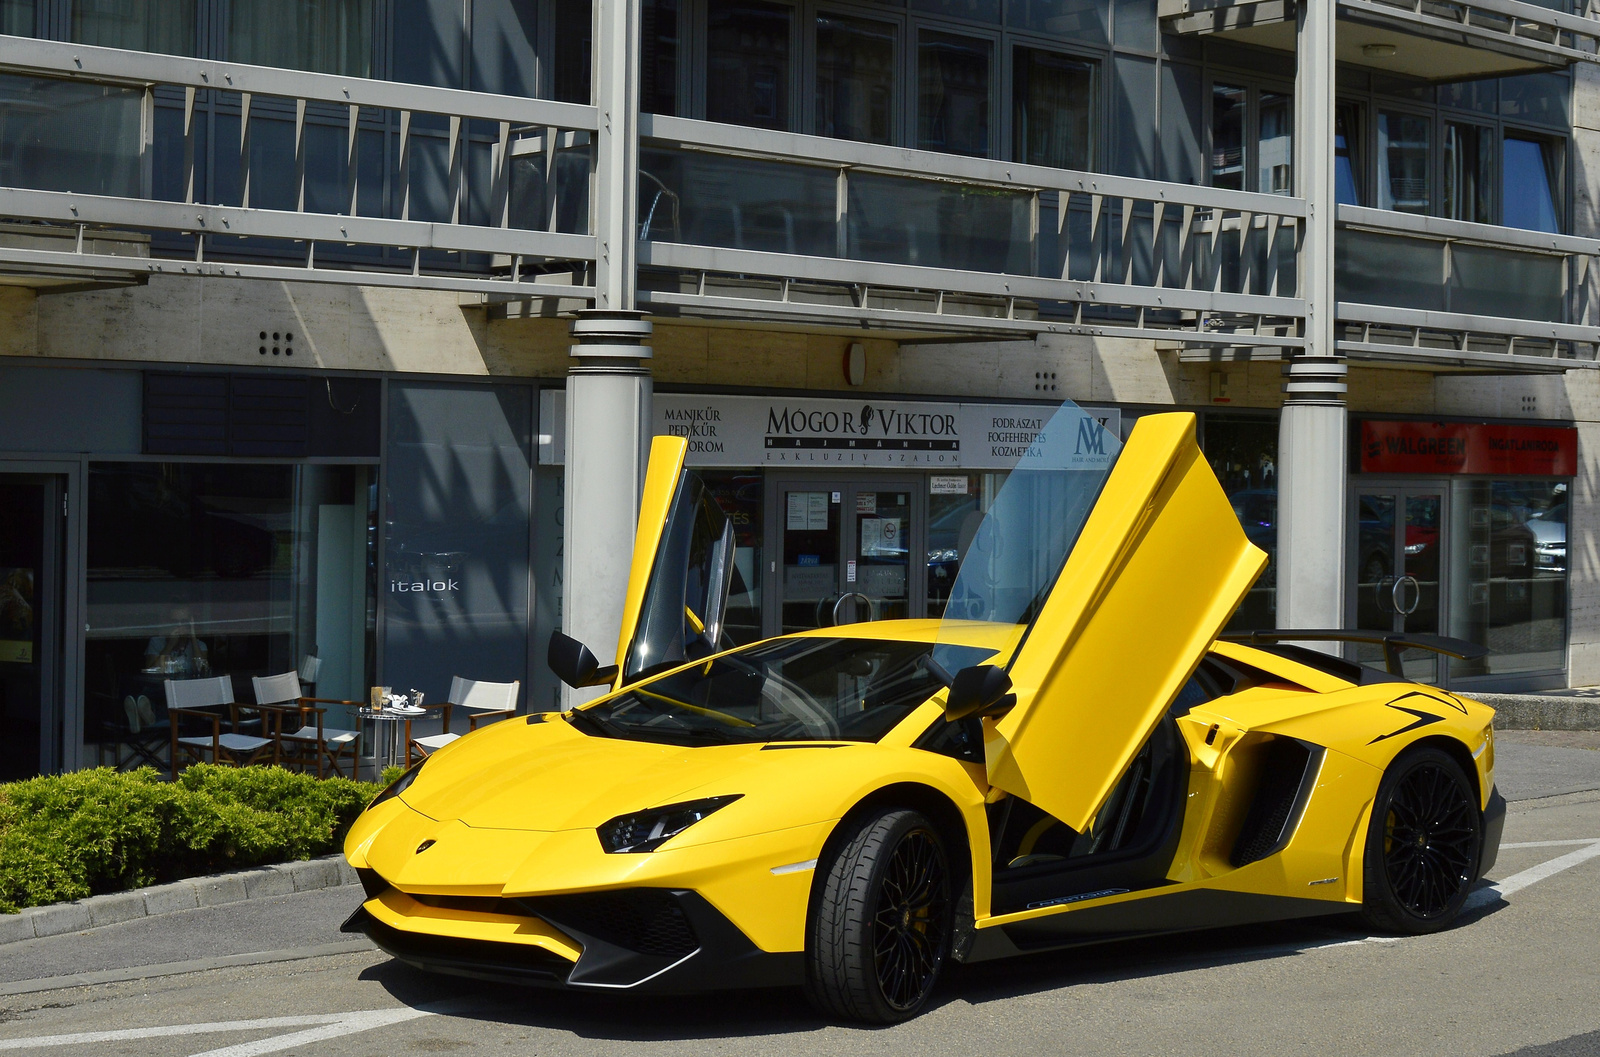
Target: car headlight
(1416,548)
(648,830)
(398,786)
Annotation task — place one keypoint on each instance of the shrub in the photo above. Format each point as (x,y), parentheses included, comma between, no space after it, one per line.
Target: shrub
(73,835)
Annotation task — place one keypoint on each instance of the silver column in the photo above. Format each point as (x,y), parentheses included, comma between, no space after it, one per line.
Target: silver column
(1311,434)
(608,388)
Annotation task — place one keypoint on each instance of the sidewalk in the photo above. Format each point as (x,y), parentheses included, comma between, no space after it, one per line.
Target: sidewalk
(1575,709)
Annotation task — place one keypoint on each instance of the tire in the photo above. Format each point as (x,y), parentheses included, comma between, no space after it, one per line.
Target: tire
(880,930)
(1424,844)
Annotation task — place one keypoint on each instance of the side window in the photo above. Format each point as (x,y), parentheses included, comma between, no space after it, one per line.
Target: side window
(962,740)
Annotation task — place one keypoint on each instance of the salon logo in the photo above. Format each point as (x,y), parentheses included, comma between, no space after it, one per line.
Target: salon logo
(437,587)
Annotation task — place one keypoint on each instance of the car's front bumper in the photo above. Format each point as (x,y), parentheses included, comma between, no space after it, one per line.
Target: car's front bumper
(647,940)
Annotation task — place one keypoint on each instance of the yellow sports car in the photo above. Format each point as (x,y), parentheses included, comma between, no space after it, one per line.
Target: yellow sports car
(1073,754)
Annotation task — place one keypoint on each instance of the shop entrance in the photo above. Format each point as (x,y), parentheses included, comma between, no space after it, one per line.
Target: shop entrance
(31,522)
(843,550)
(1399,537)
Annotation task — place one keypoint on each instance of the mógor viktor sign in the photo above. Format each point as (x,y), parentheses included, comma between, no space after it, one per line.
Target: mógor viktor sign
(740,431)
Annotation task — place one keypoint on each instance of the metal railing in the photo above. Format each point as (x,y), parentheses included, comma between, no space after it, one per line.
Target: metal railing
(747,221)
(1478,294)
(396,244)
(1511,27)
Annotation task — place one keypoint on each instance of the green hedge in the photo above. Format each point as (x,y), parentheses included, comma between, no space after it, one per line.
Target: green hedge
(73,835)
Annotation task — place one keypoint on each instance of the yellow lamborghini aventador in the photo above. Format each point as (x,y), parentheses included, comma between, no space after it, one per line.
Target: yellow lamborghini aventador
(1072,754)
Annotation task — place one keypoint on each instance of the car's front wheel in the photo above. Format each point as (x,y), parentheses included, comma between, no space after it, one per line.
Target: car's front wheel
(1423,844)
(880,930)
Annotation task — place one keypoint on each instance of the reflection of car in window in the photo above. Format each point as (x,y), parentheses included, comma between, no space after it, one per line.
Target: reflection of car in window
(1549,529)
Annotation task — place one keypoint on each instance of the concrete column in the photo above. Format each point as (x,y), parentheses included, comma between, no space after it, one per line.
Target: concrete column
(607,441)
(608,388)
(1312,457)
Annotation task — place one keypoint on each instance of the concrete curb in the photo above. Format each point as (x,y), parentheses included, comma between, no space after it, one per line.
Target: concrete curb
(281,879)
(1542,711)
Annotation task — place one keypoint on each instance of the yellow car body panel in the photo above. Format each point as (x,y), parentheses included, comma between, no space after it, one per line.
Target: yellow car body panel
(1102,662)
(498,841)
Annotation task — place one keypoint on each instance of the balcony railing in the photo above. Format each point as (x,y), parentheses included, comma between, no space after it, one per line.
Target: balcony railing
(1474,294)
(746,221)
(313,177)
(1472,37)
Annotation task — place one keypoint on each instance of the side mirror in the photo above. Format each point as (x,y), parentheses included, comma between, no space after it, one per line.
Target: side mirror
(980,690)
(575,664)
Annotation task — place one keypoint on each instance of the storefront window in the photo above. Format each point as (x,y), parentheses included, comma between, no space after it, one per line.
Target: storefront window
(1508,566)
(956,505)
(738,493)
(1243,452)
(215,569)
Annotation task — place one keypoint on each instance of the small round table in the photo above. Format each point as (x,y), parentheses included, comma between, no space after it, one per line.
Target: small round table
(388,739)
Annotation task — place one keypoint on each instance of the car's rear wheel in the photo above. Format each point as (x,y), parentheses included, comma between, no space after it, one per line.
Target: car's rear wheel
(1423,844)
(880,930)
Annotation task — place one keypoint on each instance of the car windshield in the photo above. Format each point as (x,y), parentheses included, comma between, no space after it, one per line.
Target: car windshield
(792,689)
(1030,528)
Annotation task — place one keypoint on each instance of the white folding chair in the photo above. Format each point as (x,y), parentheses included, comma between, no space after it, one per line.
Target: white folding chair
(483,702)
(196,703)
(280,695)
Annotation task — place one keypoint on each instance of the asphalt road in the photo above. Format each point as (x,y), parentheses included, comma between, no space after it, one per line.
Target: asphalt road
(1520,975)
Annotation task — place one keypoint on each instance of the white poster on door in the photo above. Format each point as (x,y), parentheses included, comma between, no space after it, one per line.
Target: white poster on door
(882,537)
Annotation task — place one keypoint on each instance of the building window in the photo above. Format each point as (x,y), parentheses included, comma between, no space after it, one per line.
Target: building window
(17,18)
(855,78)
(953,93)
(658,57)
(1347,154)
(1275,144)
(971,10)
(327,37)
(1053,101)
(1228,110)
(166,27)
(748,63)
(1531,168)
(574,34)
(1468,163)
(1403,153)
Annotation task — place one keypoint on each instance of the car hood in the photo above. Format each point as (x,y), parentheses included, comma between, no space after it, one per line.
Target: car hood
(1547,532)
(546,776)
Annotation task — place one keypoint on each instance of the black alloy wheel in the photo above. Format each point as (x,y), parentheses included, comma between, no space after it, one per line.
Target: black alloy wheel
(1423,845)
(881,924)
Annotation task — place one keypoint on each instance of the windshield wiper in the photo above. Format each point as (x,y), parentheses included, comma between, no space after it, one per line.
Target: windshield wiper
(585,722)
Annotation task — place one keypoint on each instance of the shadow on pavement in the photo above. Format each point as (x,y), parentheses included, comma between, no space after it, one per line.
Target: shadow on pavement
(624,1018)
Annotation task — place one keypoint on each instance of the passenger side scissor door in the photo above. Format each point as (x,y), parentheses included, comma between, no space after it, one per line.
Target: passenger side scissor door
(682,568)
(1157,565)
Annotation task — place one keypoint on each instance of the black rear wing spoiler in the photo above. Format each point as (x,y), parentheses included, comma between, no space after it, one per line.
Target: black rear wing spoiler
(1391,641)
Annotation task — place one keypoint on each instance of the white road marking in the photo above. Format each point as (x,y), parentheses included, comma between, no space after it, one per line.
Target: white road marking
(1518,881)
(351,1024)
(1551,843)
(124,1034)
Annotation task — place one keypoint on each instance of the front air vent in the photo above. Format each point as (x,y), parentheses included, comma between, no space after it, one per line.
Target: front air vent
(645,920)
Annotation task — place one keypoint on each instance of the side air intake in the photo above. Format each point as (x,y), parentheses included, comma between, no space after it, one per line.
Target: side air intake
(1288,771)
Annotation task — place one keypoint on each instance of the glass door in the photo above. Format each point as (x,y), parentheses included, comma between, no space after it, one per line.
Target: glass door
(1397,542)
(30,552)
(845,550)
